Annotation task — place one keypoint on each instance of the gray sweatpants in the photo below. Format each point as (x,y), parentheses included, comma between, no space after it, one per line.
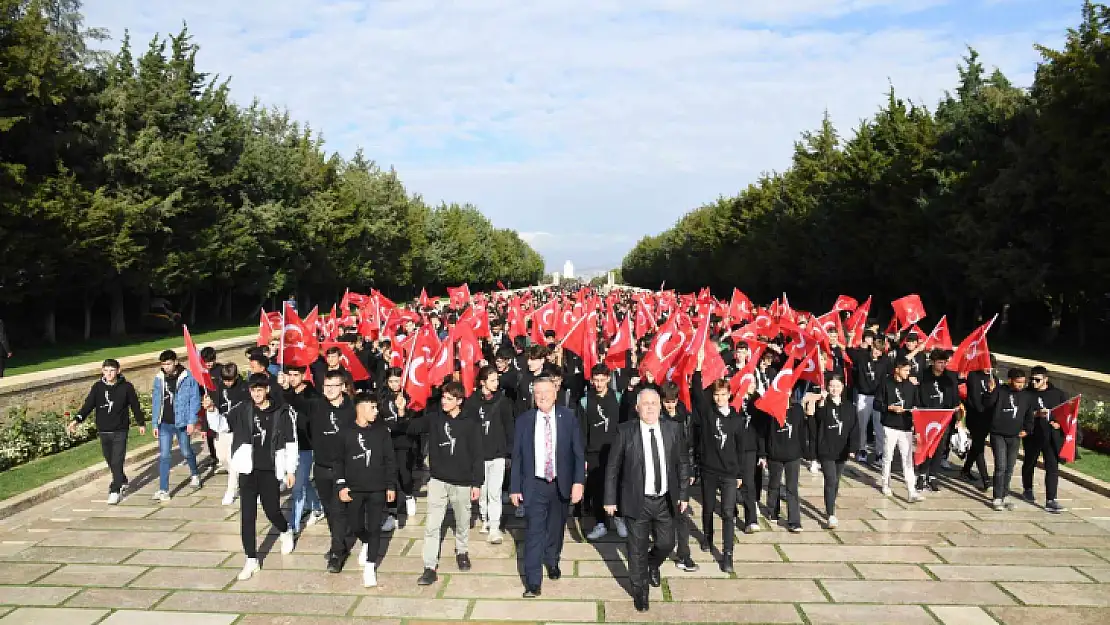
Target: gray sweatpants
(440,495)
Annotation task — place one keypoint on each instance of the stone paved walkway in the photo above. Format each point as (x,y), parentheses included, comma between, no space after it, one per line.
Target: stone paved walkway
(951,560)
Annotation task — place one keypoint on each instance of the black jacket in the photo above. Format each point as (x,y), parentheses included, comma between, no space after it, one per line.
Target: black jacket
(454,447)
(979,413)
(939,391)
(300,404)
(787,442)
(325,423)
(279,440)
(111,403)
(1044,400)
(624,473)
(837,430)
(1012,411)
(868,375)
(366,463)
(397,423)
(599,419)
(904,394)
(495,415)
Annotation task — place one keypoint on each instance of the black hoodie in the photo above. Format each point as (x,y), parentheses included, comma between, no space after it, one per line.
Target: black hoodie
(112,403)
(454,447)
(601,415)
(366,463)
(1044,400)
(1013,411)
(785,443)
(719,439)
(904,394)
(495,414)
(300,404)
(939,391)
(978,395)
(325,423)
(397,423)
(868,374)
(837,430)
(268,430)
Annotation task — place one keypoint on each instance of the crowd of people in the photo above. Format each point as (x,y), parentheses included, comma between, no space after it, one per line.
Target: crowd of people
(615,430)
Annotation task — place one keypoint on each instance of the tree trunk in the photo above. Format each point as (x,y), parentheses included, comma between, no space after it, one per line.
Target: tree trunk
(228,315)
(1053,330)
(88,302)
(118,323)
(144,302)
(1004,320)
(193,308)
(1080,331)
(49,327)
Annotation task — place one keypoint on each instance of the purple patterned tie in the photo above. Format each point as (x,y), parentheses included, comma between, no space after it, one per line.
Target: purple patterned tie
(549,461)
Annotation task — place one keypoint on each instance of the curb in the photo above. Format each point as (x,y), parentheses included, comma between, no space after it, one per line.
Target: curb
(62,485)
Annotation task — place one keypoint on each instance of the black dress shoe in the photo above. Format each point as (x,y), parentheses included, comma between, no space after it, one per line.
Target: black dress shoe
(427,578)
(463,560)
(654,578)
(335,563)
(640,600)
(726,563)
(553,572)
(531,592)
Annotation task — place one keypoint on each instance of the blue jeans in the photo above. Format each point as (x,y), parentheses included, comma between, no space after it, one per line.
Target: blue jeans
(166,433)
(304,493)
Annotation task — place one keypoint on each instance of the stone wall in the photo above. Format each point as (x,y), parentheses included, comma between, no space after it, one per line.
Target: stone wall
(66,388)
(1092,385)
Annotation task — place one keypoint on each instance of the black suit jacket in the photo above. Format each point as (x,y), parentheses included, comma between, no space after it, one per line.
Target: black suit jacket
(626,467)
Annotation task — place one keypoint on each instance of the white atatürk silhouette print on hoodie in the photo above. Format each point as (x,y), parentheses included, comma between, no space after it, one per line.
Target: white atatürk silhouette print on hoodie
(365,450)
(720,435)
(450,439)
(108,403)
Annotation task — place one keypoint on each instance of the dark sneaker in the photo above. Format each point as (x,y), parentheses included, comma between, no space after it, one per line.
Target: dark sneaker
(1055,507)
(335,563)
(463,560)
(427,578)
(686,564)
(1028,495)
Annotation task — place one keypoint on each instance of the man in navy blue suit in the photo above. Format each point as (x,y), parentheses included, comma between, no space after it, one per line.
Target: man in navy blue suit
(548,472)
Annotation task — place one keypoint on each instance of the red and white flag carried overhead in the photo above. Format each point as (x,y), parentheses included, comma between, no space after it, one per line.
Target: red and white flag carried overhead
(908,310)
(939,338)
(348,359)
(972,354)
(196,365)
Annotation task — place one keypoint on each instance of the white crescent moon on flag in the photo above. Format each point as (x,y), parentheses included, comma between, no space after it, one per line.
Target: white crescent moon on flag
(781,375)
(972,349)
(810,365)
(935,425)
(412,370)
(442,357)
(663,338)
(545,318)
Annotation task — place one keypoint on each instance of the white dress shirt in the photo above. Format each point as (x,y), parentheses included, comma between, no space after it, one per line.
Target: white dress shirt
(649,468)
(539,444)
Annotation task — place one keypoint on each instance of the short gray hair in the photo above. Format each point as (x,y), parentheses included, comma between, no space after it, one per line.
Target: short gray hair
(543,380)
(640,395)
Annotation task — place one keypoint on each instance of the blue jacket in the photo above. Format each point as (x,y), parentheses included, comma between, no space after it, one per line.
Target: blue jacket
(186,401)
(570,454)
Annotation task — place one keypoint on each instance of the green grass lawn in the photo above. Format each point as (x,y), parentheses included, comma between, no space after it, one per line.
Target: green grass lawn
(25,477)
(54,356)
(1093,463)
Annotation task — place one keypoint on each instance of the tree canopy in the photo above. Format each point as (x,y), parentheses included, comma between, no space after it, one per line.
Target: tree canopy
(134,175)
(995,200)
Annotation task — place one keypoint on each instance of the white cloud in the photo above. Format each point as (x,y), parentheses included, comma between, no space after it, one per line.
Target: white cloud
(586,125)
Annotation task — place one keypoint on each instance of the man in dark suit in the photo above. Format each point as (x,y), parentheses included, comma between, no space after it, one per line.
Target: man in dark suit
(548,471)
(650,464)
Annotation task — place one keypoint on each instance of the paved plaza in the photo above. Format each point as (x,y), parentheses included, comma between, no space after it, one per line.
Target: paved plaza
(75,560)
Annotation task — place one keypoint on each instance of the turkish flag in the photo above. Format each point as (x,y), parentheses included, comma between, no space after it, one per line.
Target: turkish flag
(578,339)
(742,381)
(416,383)
(516,323)
(267,323)
(1067,415)
(972,354)
(665,349)
(469,354)
(776,400)
(298,343)
(425,301)
(644,321)
(348,359)
(620,345)
(459,295)
(444,363)
(939,338)
(857,323)
(931,424)
(544,319)
(909,309)
(831,321)
(477,319)
(748,333)
(845,304)
(740,307)
(196,366)
(500,286)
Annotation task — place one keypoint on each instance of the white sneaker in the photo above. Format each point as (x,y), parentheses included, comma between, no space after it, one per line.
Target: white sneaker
(754,527)
(287,542)
(886,491)
(485,528)
(229,498)
(249,568)
(832,522)
(314,518)
(599,531)
(389,523)
(194,481)
(410,506)
(369,577)
(494,537)
(622,529)
(916,497)
(113,499)
(814,466)
(161,496)
(998,504)
(363,556)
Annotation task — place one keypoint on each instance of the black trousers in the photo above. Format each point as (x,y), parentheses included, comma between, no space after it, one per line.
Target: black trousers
(258,485)
(1035,446)
(1005,450)
(682,534)
(832,470)
(403,459)
(788,491)
(752,477)
(654,522)
(975,455)
(595,486)
(710,484)
(364,517)
(336,511)
(114,447)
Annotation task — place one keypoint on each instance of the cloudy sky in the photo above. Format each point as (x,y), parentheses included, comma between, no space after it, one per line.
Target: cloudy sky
(585,125)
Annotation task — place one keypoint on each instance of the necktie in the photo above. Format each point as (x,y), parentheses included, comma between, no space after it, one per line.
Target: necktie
(655,462)
(549,460)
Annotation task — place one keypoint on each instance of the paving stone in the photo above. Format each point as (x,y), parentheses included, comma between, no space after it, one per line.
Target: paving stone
(23,572)
(894,592)
(8,549)
(265,619)
(67,555)
(1074,529)
(185,578)
(896,514)
(849,525)
(389,584)
(1060,541)
(93,575)
(136,617)
(407,608)
(991,555)
(908,526)
(257,603)
(892,539)
(1040,616)
(1007,527)
(38,616)
(831,614)
(567,588)
(1059,594)
(117,512)
(813,535)
(1099,573)
(35,595)
(617,568)
(787,570)
(488,566)
(623,611)
(555,610)
(135,540)
(1005,572)
(757,590)
(962,615)
(117,598)
(991,540)
(175,557)
(892,571)
(847,553)
(124,525)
